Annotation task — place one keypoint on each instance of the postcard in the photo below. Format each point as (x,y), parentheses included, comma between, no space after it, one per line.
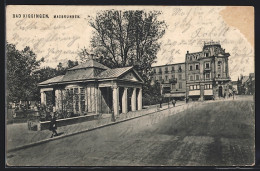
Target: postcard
(96,85)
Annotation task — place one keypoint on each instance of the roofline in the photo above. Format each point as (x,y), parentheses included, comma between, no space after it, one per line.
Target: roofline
(86,80)
(169,64)
(194,52)
(71,69)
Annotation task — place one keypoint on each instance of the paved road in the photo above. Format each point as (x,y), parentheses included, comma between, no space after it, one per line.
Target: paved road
(219,133)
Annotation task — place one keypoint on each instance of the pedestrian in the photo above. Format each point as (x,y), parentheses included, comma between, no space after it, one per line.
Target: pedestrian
(53,125)
(160,102)
(173,102)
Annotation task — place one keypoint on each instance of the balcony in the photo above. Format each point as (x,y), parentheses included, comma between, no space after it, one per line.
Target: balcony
(173,80)
(166,71)
(207,69)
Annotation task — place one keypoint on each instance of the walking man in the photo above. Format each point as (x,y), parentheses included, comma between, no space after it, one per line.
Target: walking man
(53,125)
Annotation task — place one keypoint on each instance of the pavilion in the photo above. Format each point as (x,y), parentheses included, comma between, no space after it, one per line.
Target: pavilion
(92,87)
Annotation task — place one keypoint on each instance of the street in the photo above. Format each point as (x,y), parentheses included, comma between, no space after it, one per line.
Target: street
(219,133)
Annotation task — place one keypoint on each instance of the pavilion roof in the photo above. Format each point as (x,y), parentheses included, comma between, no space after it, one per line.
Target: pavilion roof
(87,72)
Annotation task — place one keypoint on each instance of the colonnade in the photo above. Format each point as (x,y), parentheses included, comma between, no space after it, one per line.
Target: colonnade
(134,95)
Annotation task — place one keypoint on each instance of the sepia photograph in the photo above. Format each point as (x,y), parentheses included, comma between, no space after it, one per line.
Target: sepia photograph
(122,85)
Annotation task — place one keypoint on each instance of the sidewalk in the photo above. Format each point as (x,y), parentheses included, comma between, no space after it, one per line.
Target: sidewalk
(18,135)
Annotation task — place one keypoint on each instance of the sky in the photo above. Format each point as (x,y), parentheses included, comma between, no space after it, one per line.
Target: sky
(188,27)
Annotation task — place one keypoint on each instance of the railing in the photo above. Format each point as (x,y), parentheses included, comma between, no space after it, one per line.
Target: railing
(173,80)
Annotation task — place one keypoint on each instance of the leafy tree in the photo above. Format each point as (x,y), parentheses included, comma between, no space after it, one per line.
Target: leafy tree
(127,38)
(72,63)
(20,65)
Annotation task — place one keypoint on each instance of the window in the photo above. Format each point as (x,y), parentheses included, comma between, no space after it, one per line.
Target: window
(173,76)
(166,69)
(207,65)
(160,78)
(197,87)
(206,54)
(197,77)
(191,77)
(166,77)
(197,66)
(76,95)
(160,70)
(154,70)
(180,85)
(208,86)
(82,99)
(180,77)
(207,76)
(219,65)
(191,87)
(173,86)
(172,68)
(180,69)
(218,75)
(190,67)
(69,104)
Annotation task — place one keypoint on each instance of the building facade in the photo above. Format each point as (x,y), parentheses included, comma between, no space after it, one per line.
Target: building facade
(204,75)
(172,79)
(246,84)
(207,72)
(94,88)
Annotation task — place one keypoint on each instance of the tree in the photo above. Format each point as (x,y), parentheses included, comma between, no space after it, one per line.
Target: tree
(83,54)
(72,63)
(21,84)
(127,38)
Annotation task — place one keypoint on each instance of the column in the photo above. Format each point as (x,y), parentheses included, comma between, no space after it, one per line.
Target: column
(89,99)
(43,98)
(133,100)
(93,98)
(86,99)
(116,100)
(124,101)
(140,97)
(58,99)
(96,99)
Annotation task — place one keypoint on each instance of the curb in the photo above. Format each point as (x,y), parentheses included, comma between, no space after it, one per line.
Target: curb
(79,132)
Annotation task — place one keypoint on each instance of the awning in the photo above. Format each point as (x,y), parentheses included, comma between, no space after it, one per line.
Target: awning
(174,95)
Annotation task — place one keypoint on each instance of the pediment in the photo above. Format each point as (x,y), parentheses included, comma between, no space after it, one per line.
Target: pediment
(131,76)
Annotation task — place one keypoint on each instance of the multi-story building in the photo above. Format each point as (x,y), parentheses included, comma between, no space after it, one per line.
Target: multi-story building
(204,74)
(207,72)
(172,79)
